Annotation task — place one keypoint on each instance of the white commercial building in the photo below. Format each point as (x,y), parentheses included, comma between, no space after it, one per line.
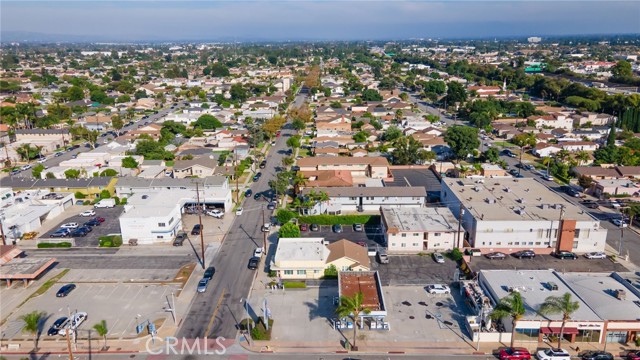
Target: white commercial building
(517,214)
(414,230)
(368,199)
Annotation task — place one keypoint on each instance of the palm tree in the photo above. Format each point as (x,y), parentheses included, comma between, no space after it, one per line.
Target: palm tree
(562,156)
(559,305)
(632,211)
(298,181)
(352,306)
(510,306)
(102,330)
(32,322)
(582,157)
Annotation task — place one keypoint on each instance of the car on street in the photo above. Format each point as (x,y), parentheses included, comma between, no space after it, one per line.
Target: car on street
(514,354)
(216,213)
(548,177)
(76,320)
(263,164)
(358,227)
(209,272)
(337,228)
(528,167)
(248,193)
(42,160)
(304,227)
(553,354)
(88,213)
(25,167)
(271,205)
(266,227)
(197,228)
(563,255)
(496,255)
(590,204)
(596,355)
(596,255)
(253,263)
(524,254)
(257,177)
(633,355)
(619,223)
(315,227)
(14,172)
(80,232)
(257,196)
(258,252)
(202,285)
(438,289)
(181,236)
(239,211)
(70,225)
(57,325)
(569,191)
(65,290)
(60,233)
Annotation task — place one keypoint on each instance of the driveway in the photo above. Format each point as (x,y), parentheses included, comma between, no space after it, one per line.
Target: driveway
(111,225)
(414,270)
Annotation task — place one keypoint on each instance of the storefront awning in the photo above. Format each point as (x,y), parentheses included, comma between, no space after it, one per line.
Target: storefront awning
(556,330)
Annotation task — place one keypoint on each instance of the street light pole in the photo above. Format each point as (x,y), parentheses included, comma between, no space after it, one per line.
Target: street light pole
(621,234)
(200,222)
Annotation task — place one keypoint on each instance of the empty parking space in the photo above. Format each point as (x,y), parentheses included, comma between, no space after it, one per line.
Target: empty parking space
(414,270)
(111,225)
(371,235)
(544,262)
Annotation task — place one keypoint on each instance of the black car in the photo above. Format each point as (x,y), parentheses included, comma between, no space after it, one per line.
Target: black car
(257,176)
(565,255)
(263,164)
(528,167)
(590,204)
(257,196)
(197,228)
(524,254)
(57,325)
(92,222)
(208,274)
(65,290)
(337,228)
(569,191)
(248,193)
(496,255)
(180,238)
(596,355)
(253,263)
(79,232)
(315,227)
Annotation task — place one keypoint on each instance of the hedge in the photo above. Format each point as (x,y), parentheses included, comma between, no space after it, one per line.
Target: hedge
(340,219)
(284,216)
(46,245)
(294,285)
(110,241)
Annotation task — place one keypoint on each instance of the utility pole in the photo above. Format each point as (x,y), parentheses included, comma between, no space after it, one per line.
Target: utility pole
(200,222)
(264,233)
(459,225)
(69,334)
(559,228)
(621,233)
(235,156)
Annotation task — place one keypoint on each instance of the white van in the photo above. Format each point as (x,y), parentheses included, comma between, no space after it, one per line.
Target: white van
(105,203)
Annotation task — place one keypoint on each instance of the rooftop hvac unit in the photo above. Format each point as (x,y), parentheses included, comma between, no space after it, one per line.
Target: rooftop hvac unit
(621,294)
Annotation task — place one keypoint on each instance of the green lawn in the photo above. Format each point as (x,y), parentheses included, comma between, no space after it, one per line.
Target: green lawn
(504,143)
(304,152)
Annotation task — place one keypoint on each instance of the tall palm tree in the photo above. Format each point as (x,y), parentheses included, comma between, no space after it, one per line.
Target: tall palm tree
(32,323)
(352,306)
(559,305)
(562,156)
(102,330)
(632,211)
(510,306)
(582,157)
(298,182)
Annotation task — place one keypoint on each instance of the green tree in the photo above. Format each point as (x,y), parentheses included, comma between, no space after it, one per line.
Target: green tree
(37,171)
(117,123)
(298,124)
(207,122)
(75,93)
(622,70)
(352,307)
(129,162)
(360,137)
(455,93)
(289,230)
(32,324)
(492,155)
(238,93)
(217,70)
(109,173)
(632,211)
(462,140)
(294,141)
(284,216)
(392,133)
(371,95)
(102,330)
(510,306)
(72,173)
(409,151)
(559,305)
(524,140)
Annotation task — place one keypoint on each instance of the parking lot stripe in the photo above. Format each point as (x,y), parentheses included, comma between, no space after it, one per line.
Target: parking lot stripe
(215,312)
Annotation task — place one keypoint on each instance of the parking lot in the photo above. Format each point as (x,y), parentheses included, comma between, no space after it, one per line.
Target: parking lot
(121,305)
(111,225)
(371,235)
(414,270)
(543,262)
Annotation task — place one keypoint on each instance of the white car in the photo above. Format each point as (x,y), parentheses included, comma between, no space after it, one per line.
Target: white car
(438,258)
(619,223)
(596,255)
(88,213)
(42,160)
(553,354)
(239,211)
(548,177)
(258,252)
(266,227)
(438,289)
(26,167)
(216,213)
(76,320)
(71,225)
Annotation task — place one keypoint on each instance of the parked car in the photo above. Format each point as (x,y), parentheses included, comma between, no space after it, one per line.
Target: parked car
(633,355)
(337,228)
(181,236)
(596,255)
(14,172)
(71,225)
(202,285)
(562,255)
(548,177)
(257,176)
(362,243)
(524,254)
(257,196)
(253,263)
(382,256)
(60,233)
(514,354)
(258,252)
(619,223)
(65,290)
(570,191)
(57,325)
(197,228)
(88,213)
(92,222)
(315,227)
(496,256)
(239,211)
(358,227)
(79,232)
(209,272)
(553,354)
(596,355)
(590,204)
(266,227)
(438,289)
(271,206)
(25,167)
(438,258)
(304,227)
(528,167)
(76,320)
(101,219)
(216,213)
(263,164)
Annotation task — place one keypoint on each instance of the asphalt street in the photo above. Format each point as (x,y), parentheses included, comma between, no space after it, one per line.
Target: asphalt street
(217,311)
(252,356)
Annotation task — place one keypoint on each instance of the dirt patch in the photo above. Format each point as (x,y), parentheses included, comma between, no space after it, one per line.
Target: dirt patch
(183,275)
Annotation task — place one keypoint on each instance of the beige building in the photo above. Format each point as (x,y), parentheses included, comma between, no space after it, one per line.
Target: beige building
(361,168)
(414,230)
(199,167)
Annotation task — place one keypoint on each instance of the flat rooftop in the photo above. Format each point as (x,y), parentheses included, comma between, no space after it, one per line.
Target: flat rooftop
(24,268)
(353,282)
(301,249)
(512,199)
(419,219)
(534,288)
(598,290)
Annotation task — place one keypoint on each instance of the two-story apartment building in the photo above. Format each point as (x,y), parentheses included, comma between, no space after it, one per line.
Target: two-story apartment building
(365,199)
(414,230)
(554,121)
(361,168)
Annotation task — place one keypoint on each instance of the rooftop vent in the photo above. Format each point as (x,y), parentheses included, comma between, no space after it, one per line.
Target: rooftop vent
(521,201)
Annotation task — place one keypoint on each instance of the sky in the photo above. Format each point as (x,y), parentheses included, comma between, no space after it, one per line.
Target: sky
(265,20)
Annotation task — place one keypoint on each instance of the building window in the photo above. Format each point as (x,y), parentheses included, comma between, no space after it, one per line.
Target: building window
(540,233)
(416,234)
(393,244)
(575,244)
(162,224)
(498,243)
(415,244)
(403,245)
(170,221)
(288,272)
(353,198)
(516,243)
(404,235)
(437,234)
(302,272)
(576,234)
(159,237)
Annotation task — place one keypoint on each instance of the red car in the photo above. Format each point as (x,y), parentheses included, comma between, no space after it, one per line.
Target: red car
(362,243)
(278,134)
(304,227)
(633,355)
(101,219)
(514,354)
